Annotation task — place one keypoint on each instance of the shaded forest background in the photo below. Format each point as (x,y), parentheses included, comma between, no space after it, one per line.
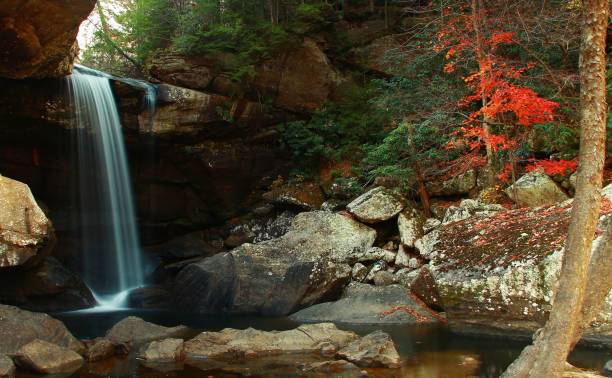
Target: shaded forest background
(424,114)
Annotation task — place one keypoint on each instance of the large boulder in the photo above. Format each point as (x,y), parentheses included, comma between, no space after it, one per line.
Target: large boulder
(190,72)
(303,267)
(251,343)
(499,273)
(19,327)
(47,358)
(367,304)
(38,38)
(25,231)
(373,350)
(378,55)
(535,189)
(377,205)
(135,331)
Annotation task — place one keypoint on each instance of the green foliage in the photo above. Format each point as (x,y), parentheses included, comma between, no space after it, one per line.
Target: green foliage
(338,130)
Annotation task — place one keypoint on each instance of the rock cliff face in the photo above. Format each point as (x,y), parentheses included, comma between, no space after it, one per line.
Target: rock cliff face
(298,80)
(38,38)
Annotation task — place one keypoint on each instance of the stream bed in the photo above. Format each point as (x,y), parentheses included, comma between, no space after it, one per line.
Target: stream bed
(427,351)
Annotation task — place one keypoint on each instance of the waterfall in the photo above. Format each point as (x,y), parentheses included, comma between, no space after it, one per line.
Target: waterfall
(112,259)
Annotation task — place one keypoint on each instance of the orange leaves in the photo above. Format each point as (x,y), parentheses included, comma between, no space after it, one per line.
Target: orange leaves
(553,167)
(528,107)
(499,37)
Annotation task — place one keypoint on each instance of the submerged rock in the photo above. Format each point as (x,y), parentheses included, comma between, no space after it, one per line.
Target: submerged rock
(305,266)
(25,231)
(373,350)
(164,351)
(47,358)
(377,205)
(535,189)
(251,343)
(135,331)
(330,367)
(367,304)
(19,327)
(99,349)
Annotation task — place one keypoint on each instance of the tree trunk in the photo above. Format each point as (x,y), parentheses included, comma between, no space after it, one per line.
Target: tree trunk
(480,55)
(572,308)
(423,195)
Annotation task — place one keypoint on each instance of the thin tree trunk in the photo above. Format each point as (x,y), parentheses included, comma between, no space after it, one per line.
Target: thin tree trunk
(423,194)
(480,55)
(546,358)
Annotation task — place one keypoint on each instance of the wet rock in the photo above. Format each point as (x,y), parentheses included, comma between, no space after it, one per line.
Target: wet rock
(49,286)
(304,196)
(359,272)
(187,112)
(135,331)
(457,185)
(47,358)
(19,327)
(383,278)
(306,265)
(499,273)
(366,304)
(251,343)
(330,367)
(535,189)
(377,205)
(373,350)
(99,349)
(7,367)
(410,224)
(168,350)
(38,39)
(25,231)
(152,297)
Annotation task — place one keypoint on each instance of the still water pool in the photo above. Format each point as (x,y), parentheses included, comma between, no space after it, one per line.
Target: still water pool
(426,351)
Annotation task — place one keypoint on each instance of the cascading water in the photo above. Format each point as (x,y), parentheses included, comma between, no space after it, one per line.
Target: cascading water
(112,259)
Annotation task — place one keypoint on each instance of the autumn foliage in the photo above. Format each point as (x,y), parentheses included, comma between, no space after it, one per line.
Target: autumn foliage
(501,111)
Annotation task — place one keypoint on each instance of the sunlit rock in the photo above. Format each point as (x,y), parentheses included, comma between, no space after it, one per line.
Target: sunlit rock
(25,231)
(535,189)
(47,358)
(373,350)
(377,205)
